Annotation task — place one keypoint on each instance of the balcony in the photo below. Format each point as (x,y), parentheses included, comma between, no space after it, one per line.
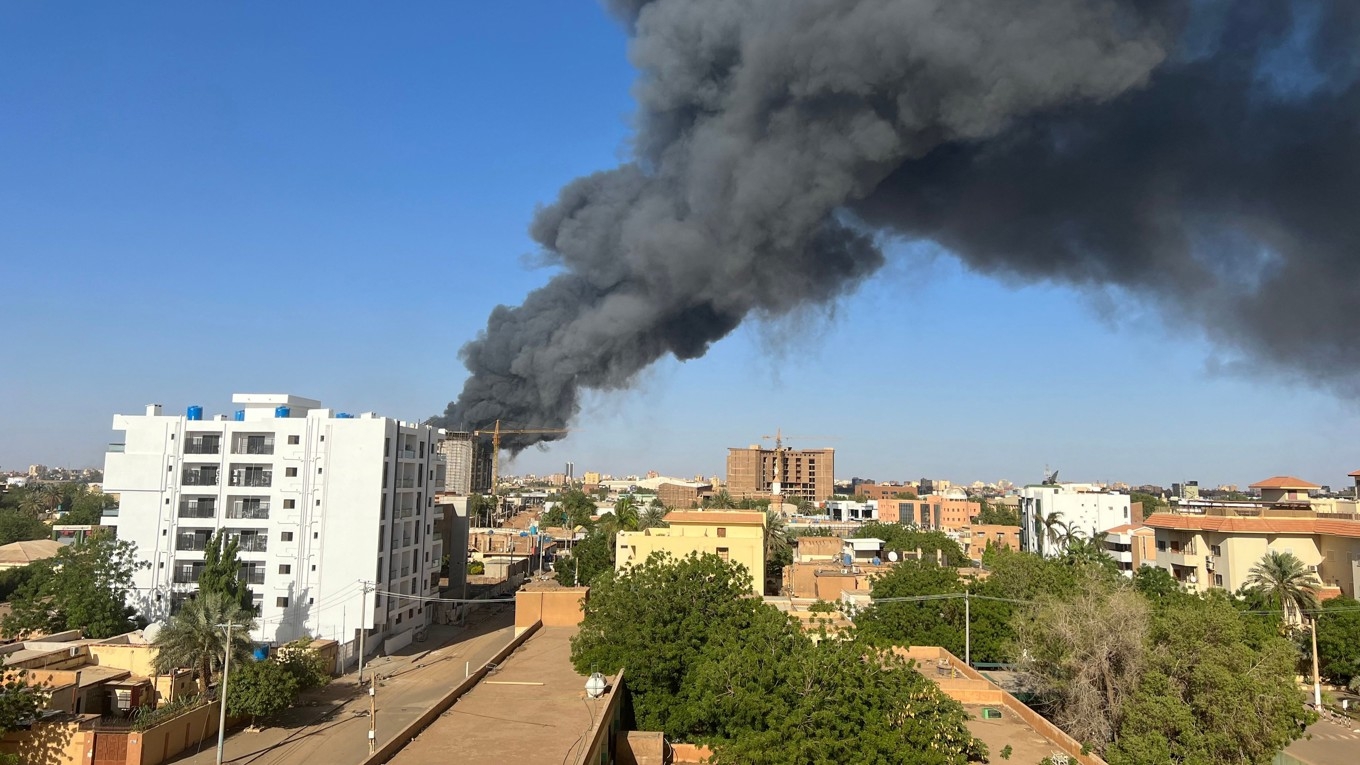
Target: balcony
(196,541)
(252,574)
(254,510)
(250,541)
(407,454)
(202,445)
(257,477)
(406,483)
(199,478)
(116,448)
(110,512)
(200,508)
(186,573)
(252,445)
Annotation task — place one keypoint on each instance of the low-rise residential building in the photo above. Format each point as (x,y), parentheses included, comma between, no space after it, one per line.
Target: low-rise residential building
(20,554)
(885,490)
(976,538)
(1131,546)
(1086,508)
(931,511)
(732,535)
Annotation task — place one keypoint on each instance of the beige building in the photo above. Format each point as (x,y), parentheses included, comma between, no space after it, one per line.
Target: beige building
(800,473)
(731,535)
(20,554)
(1218,547)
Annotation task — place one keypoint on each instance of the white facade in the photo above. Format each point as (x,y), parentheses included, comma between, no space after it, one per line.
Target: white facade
(310,494)
(1086,508)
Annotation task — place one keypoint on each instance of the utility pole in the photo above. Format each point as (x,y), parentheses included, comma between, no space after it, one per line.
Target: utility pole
(967,630)
(372,716)
(1317,681)
(363,629)
(372,696)
(222,695)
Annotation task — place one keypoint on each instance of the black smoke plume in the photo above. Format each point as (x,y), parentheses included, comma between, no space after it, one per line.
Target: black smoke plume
(1203,155)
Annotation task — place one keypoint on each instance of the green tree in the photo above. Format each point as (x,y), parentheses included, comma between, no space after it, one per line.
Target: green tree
(194,637)
(652,518)
(719,501)
(770,696)
(1156,583)
(1052,526)
(778,551)
(996,515)
(586,560)
(1151,503)
(899,538)
(85,586)
(39,499)
(1338,635)
(573,509)
(20,700)
(1214,690)
(915,622)
(221,571)
(260,689)
(655,618)
(87,508)
(625,516)
(18,526)
(305,663)
(1285,581)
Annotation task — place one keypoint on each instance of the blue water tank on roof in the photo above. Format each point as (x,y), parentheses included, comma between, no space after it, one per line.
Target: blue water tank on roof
(239,415)
(194,413)
(848,559)
(281,412)
(344,416)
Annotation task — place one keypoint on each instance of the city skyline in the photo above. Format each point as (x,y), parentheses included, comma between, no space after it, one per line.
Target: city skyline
(287,209)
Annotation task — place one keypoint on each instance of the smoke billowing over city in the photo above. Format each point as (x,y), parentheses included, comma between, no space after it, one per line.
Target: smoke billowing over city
(1204,159)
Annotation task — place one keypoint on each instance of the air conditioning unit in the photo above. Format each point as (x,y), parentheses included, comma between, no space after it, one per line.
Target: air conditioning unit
(1209,562)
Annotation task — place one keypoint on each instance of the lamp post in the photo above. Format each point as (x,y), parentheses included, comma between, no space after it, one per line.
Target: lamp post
(222,694)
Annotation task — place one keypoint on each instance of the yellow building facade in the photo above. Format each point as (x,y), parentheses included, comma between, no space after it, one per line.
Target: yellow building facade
(732,535)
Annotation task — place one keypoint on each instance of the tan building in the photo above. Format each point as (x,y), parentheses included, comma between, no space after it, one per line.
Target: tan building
(881,491)
(1132,545)
(1218,547)
(731,535)
(1285,489)
(975,539)
(682,495)
(20,554)
(800,473)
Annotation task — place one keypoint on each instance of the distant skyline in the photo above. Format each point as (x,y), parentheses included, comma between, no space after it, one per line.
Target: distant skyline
(208,200)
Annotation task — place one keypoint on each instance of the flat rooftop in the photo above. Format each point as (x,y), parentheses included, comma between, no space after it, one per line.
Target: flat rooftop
(533,708)
(1027,744)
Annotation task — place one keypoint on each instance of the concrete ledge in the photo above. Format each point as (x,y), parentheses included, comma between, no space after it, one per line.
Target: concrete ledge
(404,736)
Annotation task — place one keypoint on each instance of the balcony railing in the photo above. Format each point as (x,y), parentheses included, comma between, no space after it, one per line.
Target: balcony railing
(408,454)
(406,483)
(253,446)
(252,575)
(249,511)
(110,512)
(190,576)
(116,448)
(200,478)
(206,446)
(253,478)
(199,509)
(191,542)
(252,543)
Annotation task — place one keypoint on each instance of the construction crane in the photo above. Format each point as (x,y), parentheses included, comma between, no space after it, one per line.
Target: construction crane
(780,468)
(496,432)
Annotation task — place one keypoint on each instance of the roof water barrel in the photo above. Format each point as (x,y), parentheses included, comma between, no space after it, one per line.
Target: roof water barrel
(281,412)
(194,412)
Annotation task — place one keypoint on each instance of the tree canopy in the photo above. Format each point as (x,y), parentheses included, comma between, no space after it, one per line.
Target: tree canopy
(1338,635)
(586,559)
(195,638)
(260,689)
(221,572)
(707,664)
(84,586)
(20,700)
(907,539)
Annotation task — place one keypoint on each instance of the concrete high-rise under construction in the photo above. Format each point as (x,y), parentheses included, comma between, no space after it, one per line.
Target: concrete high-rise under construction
(801,473)
(469,464)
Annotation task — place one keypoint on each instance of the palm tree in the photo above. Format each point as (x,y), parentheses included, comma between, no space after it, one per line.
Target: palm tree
(195,638)
(776,534)
(652,517)
(626,513)
(720,501)
(39,500)
(1068,535)
(1283,579)
(1050,523)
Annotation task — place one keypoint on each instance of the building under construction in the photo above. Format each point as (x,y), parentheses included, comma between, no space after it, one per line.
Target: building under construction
(801,473)
(468,463)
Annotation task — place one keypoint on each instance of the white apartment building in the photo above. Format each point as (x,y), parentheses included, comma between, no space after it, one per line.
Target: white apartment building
(1085,507)
(309,493)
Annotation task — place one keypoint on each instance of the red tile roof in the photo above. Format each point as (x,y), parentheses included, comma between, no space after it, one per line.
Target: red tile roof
(1255,525)
(1284,482)
(1354,474)
(715,517)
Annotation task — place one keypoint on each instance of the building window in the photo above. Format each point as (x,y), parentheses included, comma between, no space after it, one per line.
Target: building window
(285,568)
(1213,549)
(722,553)
(289,504)
(722,532)
(1218,580)
(294,440)
(290,472)
(286,536)
(281,602)
(319,471)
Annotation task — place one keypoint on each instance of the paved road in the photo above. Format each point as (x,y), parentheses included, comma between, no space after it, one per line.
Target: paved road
(331,725)
(1330,744)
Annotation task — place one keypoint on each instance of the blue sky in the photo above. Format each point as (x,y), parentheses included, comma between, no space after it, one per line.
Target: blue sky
(199,200)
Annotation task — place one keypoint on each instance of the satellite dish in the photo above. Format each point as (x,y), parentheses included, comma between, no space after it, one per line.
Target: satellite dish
(151,630)
(892,555)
